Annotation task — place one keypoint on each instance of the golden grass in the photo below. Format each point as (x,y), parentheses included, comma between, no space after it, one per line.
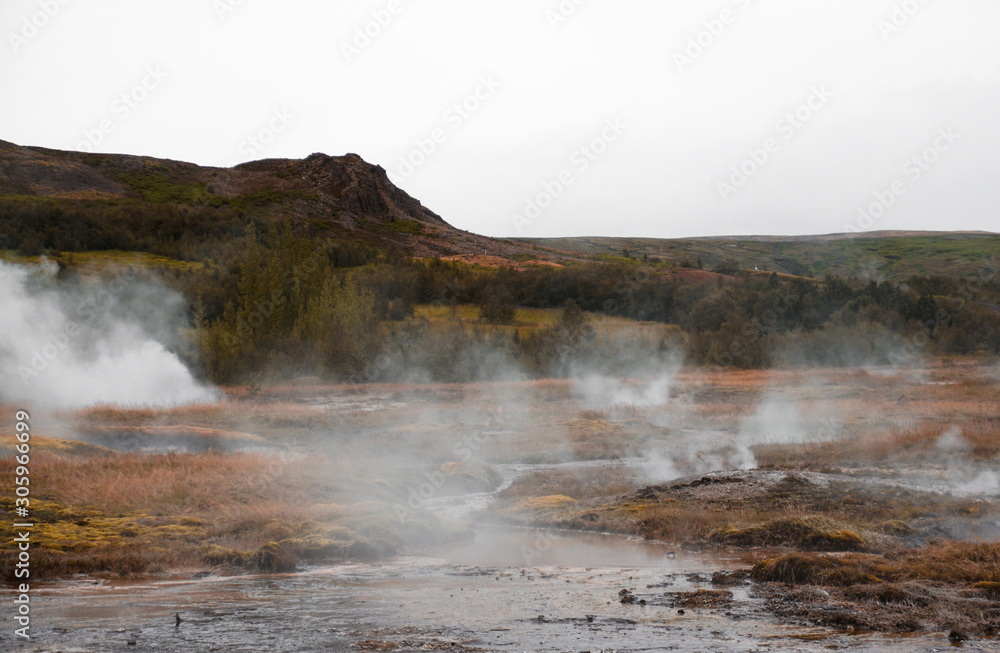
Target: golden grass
(807,533)
(135,513)
(355,466)
(951,562)
(949,587)
(55,446)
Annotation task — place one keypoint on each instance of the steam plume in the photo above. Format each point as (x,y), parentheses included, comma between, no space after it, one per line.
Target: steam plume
(65,345)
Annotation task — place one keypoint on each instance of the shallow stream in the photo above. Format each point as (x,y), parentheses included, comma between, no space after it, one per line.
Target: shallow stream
(506,590)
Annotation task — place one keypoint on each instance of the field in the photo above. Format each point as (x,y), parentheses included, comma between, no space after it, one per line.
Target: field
(896,467)
(895,255)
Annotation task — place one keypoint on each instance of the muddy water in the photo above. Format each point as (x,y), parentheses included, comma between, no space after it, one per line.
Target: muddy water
(507,590)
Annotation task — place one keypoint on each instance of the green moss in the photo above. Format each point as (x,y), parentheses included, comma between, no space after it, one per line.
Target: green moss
(160,187)
(990,589)
(897,528)
(220,556)
(403,226)
(472,476)
(555,506)
(810,533)
(269,197)
(274,558)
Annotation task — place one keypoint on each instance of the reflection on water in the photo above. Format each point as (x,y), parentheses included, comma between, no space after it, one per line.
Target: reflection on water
(507,590)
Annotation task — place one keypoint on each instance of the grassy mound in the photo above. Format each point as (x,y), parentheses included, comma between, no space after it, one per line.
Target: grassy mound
(977,564)
(468,477)
(806,533)
(539,508)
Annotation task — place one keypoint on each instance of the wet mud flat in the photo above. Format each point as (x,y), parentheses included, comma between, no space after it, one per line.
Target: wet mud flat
(580,592)
(553,471)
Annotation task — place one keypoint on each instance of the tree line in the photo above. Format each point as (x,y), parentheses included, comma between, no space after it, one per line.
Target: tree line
(271,297)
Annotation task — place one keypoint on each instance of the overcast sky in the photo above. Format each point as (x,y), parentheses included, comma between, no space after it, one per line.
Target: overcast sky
(547,118)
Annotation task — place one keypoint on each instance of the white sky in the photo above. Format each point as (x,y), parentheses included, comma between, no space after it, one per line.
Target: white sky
(229,65)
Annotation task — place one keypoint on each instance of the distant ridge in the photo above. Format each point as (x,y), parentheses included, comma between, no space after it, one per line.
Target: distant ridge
(347,197)
(890,255)
(338,196)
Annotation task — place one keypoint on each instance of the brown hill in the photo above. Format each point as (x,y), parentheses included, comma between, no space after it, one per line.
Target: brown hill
(339,196)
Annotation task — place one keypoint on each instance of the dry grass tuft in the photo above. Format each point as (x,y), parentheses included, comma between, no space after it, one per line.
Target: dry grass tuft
(807,533)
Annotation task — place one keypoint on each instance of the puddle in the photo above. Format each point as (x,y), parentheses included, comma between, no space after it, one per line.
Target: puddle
(506,590)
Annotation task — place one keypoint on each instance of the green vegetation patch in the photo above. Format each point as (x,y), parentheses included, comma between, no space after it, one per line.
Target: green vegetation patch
(402,226)
(808,533)
(269,197)
(158,187)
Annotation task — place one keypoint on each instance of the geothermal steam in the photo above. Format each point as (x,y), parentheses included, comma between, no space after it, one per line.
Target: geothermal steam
(65,345)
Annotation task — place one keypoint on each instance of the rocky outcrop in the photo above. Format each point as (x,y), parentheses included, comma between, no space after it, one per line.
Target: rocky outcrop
(329,196)
(26,172)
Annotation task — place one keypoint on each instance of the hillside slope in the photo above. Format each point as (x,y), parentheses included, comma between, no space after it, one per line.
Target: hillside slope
(341,196)
(346,198)
(893,255)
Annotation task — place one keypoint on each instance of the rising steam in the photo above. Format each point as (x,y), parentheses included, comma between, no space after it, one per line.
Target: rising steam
(72,345)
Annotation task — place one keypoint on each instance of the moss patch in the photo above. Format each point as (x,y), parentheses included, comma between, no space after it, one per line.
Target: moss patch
(808,533)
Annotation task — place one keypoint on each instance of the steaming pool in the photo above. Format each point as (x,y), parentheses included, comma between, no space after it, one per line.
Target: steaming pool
(508,589)
(476,596)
